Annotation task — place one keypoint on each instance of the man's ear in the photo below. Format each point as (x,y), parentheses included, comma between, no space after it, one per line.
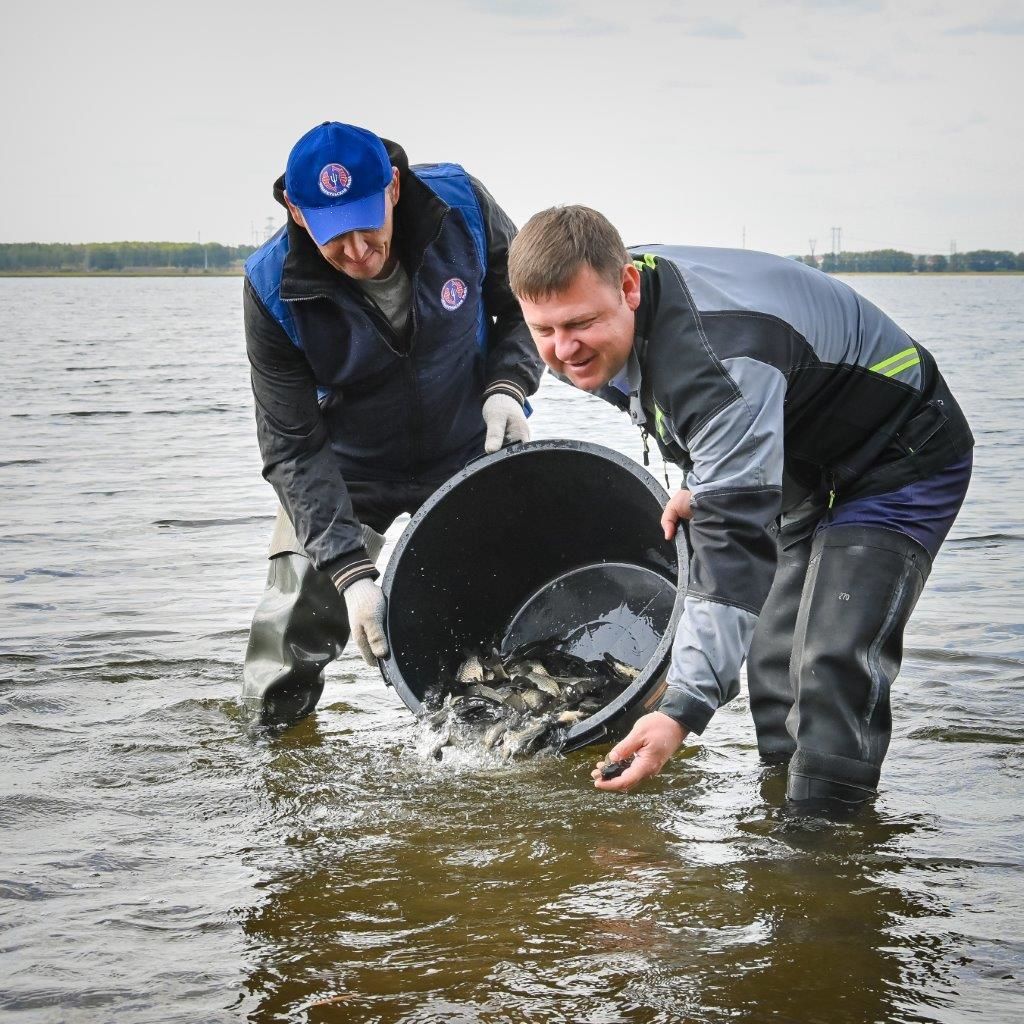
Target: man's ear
(631,286)
(295,212)
(395,186)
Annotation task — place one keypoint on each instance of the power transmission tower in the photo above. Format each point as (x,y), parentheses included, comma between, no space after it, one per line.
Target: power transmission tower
(812,242)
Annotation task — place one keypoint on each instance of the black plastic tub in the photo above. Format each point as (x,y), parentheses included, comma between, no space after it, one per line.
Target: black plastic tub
(554,539)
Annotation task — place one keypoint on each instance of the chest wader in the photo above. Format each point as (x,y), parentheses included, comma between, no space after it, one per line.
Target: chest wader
(770,682)
(827,649)
(299,627)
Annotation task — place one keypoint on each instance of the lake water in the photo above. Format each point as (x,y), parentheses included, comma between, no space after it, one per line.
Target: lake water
(159,865)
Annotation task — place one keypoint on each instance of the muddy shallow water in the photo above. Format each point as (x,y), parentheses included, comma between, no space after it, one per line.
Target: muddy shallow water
(159,864)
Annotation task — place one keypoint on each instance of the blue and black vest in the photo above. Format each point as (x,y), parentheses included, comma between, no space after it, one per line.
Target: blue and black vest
(398,412)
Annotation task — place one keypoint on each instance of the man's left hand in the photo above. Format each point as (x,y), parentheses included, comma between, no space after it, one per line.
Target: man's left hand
(506,422)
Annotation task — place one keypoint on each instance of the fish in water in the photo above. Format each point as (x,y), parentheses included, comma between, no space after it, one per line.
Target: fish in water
(613,769)
(522,702)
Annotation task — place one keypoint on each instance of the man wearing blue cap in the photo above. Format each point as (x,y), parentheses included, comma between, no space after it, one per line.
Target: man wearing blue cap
(386,351)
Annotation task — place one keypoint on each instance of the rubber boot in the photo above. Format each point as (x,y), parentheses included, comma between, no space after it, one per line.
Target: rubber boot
(770,682)
(862,585)
(300,626)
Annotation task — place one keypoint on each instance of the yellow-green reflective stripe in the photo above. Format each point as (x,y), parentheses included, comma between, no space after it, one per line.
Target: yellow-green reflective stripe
(905,366)
(879,367)
(659,422)
(645,260)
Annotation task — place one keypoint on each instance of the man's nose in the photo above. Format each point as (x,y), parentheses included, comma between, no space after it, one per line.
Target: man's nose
(354,246)
(566,345)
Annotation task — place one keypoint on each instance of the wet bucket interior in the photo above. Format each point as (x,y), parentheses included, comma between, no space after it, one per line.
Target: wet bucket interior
(619,609)
(550,540)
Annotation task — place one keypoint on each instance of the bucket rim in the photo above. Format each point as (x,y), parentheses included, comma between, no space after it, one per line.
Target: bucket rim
(594,728)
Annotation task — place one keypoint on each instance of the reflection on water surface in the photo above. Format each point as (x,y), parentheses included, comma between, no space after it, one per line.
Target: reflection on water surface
(160,864)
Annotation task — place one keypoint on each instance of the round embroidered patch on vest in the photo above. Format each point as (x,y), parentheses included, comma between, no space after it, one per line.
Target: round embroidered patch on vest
(334,180)
(453,293)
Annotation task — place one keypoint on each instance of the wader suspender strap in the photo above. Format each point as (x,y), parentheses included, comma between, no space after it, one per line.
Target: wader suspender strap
(451,183)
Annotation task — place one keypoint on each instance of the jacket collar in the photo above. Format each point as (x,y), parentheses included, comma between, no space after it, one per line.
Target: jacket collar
(646,312)
(418,217)
(628,382)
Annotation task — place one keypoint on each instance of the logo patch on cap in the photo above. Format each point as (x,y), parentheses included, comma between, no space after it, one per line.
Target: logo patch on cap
(334,180)
(453,293)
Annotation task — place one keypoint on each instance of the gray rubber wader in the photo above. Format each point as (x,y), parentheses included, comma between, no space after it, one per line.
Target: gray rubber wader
(770,670)
(300,626)
(862,585)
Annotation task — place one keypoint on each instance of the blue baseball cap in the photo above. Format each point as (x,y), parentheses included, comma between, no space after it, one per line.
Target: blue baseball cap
(337,175)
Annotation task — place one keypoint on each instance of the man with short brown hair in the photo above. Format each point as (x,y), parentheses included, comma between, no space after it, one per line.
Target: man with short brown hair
(825,461)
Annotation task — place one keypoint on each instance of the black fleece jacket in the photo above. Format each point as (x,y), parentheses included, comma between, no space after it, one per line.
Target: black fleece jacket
(294,435)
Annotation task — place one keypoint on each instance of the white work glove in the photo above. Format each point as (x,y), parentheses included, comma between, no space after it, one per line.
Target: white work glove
(373,542)
(506,422)
(366,606)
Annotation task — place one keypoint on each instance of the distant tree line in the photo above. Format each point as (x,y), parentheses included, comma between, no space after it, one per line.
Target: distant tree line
(121,256)
(888,260)
(214,256)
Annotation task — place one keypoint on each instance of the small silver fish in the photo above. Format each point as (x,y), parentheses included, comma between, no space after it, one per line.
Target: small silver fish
(515,702)
(444,737)
(613,769)
(470,671)
(546,684)
(488,692)
(494,668)
(577,689)
(437,718)
(520,741)
(495,733)
(620,668)
(535,700)
(570,717)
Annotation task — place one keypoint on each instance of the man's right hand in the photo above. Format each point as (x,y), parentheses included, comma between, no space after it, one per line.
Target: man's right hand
(678,508)
(366,607)
(651,742)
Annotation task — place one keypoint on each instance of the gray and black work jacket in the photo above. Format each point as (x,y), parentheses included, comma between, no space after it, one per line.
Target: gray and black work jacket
(340,396)
(769,382)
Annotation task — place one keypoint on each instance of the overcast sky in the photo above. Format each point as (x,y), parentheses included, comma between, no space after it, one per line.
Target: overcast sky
(897,120)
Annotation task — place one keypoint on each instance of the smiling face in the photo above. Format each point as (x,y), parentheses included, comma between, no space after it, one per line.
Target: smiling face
(585,332)
(365,254)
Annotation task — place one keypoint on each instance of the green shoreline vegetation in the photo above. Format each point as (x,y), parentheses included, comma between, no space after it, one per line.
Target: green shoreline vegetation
(174,259)
(896,261)
(99,259)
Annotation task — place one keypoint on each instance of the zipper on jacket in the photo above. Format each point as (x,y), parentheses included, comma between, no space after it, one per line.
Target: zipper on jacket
(832,488)
(415,277)
(644,435)
(391,339)
(416,405)
(383,325)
